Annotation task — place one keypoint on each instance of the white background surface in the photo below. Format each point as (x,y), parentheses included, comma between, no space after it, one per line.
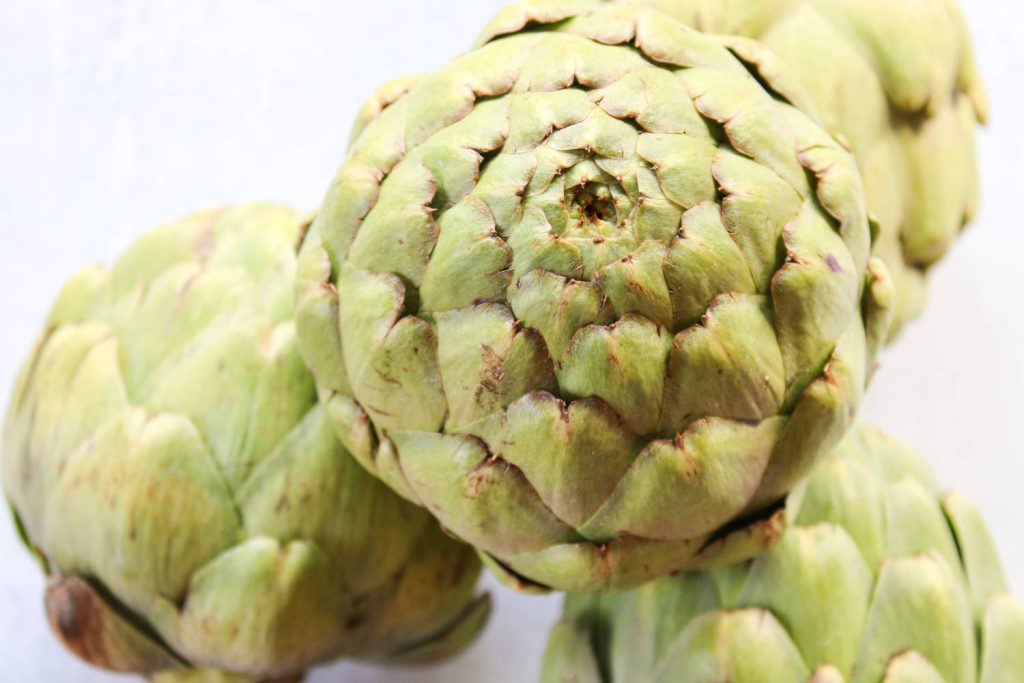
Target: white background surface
(118,115)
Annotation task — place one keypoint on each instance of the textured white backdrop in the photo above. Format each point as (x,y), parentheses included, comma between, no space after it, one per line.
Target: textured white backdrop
(116,115)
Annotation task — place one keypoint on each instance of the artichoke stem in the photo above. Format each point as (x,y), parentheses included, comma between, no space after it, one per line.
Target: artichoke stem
(92,628)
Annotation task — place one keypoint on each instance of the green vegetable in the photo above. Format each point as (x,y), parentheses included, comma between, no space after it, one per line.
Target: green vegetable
(894,79)
(878,578)
(166,459)
(592,295)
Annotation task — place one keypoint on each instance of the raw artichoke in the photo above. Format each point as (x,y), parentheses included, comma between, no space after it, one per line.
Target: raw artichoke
(591,295)
(896,79)
(167,461)
(878,579)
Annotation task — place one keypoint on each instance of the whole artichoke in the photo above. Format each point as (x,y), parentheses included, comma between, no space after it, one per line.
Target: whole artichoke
(897,80)
(878,579)
(167,461)
(591,294)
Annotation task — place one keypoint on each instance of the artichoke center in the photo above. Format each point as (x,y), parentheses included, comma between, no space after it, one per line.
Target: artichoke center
(593,209)
(592,203)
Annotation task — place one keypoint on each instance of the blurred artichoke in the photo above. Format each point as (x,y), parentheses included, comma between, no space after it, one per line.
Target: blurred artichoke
(167,461)
(897,81)
(879,579)
(591,294)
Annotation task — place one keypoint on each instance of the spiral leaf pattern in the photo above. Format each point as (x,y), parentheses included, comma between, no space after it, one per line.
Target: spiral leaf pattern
(590,293)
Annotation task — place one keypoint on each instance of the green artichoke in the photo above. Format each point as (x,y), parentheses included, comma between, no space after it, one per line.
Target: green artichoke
(167,460)
(592,295)
(894,79)
(879,578)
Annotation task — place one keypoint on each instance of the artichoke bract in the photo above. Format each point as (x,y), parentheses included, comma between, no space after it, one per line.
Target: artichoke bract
(167,461)
(897,81)
(593,296)
(878,578)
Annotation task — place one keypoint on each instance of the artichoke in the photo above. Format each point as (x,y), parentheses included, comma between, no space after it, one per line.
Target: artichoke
(879,578)
(593,296)
(167,461)
(897,81)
